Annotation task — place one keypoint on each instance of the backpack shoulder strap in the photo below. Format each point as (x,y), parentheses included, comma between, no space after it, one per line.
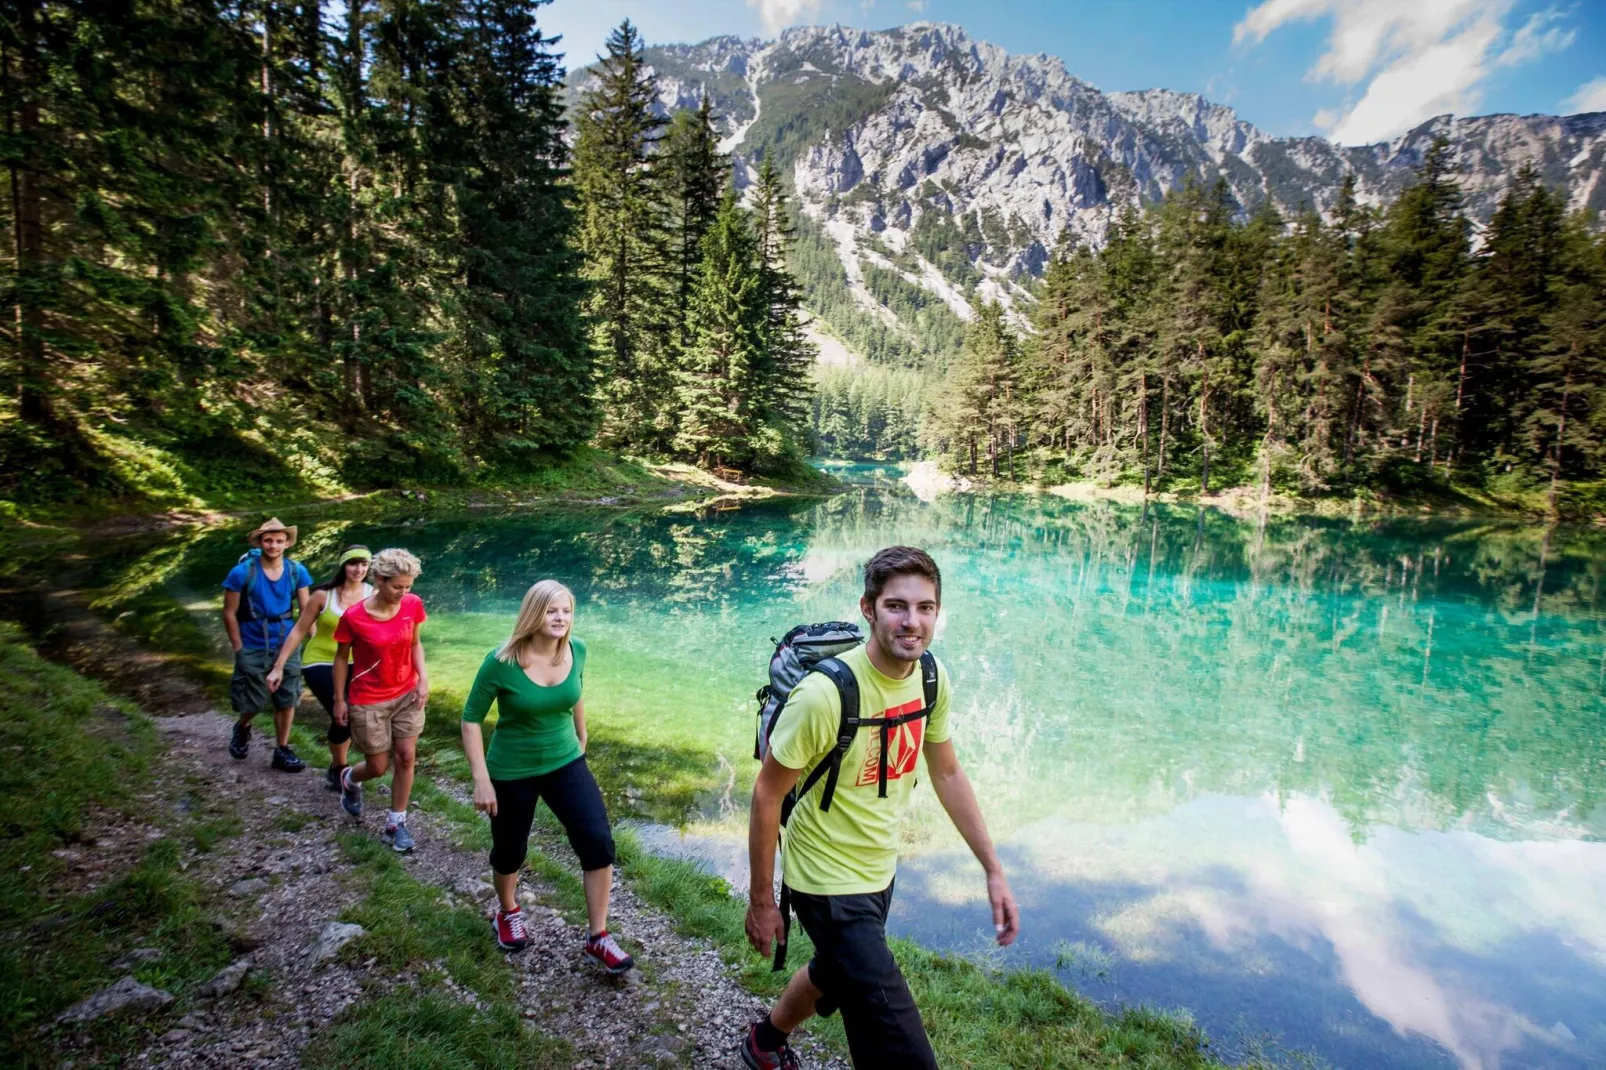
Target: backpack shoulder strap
(928,680)
(847,687)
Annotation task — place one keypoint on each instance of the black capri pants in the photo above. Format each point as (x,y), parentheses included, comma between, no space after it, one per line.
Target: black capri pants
(571,793)
(320,680)
(854,970)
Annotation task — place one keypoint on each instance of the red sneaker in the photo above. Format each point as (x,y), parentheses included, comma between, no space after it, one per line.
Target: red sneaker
(508,927)
(782,1058)
(604,949)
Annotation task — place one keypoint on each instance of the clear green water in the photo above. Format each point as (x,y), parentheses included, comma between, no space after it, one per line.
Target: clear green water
(1339,785)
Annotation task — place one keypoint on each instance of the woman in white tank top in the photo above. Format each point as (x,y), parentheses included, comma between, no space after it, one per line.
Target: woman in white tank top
(325,604)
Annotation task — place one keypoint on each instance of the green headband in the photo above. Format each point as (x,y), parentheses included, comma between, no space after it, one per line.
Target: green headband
(358,554)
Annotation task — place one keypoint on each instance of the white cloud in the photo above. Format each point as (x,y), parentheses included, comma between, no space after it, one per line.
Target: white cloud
(779,14)
(1534,41)
(917,6)
(1409,60)
(1591,96)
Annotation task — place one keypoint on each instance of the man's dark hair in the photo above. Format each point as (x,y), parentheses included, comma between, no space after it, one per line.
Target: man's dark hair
(899,561)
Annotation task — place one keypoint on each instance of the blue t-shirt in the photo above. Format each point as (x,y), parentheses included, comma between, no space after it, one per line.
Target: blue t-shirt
(270,599)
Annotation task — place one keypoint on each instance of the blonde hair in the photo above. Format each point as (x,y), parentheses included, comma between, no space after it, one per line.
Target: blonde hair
(532,614)
(393,562)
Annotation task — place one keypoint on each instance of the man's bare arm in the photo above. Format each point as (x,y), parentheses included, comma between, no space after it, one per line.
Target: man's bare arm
(231,619)
(763,829)
(953,790)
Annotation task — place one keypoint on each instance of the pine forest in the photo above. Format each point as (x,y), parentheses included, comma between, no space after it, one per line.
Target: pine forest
(257,246)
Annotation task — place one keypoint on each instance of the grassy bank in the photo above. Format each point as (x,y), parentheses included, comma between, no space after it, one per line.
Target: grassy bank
(587,475)
(80,762)
(977,1016)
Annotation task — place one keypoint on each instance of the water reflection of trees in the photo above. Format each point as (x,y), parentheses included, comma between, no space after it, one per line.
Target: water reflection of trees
(1417,673)
(1115,658)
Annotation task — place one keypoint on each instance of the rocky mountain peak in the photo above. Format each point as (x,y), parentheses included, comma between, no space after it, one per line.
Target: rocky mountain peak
(959,165)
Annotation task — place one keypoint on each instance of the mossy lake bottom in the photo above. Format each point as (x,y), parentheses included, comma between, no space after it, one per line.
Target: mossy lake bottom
(1333,787)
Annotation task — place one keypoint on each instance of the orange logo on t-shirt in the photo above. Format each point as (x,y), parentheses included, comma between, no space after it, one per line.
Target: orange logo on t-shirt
(903,745)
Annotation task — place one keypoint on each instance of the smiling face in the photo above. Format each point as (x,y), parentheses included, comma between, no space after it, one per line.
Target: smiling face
(273,544)
(357,570)
(903,617)
(559,616)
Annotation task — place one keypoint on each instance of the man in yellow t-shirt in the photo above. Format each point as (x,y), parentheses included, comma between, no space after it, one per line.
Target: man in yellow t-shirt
(839,863)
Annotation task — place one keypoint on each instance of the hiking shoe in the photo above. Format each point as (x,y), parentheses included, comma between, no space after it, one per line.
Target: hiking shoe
(604,949)
(331,777)
(508,928)
(350,793)
(286,759)
(782,1058)
(397,838)
(240,742)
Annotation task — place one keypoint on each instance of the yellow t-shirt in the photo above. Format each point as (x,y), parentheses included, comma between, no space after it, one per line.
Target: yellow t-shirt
(853,847)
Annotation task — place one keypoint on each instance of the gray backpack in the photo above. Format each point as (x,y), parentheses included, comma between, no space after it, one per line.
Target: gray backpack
(815,648)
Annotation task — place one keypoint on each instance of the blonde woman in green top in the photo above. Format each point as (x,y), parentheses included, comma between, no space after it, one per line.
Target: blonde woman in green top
(538,752)
(325,604)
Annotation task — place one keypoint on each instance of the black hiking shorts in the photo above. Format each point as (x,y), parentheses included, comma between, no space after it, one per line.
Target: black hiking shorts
(855,970)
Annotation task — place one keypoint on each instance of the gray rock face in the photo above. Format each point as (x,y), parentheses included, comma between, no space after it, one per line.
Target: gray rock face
(883,129)
(335,935)
(127,996)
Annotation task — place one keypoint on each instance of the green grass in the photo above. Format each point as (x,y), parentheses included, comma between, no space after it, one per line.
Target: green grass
(977,1016)
(412,926)
(57,945)
(406,1028)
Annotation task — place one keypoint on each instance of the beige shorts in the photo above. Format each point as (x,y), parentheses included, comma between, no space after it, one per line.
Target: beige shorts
(373,727)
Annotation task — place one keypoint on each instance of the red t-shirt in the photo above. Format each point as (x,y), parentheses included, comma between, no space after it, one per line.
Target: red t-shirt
(381,650)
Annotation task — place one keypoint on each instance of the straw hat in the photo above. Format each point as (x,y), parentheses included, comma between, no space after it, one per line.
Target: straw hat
(273,524)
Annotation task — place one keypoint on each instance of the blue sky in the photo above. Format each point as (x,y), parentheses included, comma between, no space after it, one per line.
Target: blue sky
(1353,70)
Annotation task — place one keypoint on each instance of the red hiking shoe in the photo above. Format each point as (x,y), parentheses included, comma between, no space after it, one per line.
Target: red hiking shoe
(604,949)
(508,927)
(782,1058)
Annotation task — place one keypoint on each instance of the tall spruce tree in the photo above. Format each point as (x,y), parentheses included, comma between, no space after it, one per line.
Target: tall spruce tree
(622,234)
(523,292)
(719,373)
(785,384)
(694,173)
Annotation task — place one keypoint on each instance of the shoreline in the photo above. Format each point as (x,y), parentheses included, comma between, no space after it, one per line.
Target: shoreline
(927,481)
(670,485)
(979,1016)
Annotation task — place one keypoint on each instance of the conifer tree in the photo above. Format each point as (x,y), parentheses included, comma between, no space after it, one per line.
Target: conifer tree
(784,381)
(622,234)
(719,372)
(1566,422)
(523,290)
(980,407)
(694,173)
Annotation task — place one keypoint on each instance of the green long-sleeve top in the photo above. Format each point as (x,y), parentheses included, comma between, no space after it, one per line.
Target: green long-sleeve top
(535,725)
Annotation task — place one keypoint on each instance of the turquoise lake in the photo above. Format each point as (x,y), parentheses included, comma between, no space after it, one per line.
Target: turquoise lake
(1337,788)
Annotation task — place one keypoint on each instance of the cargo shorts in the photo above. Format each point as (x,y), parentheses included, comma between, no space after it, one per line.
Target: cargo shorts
(374,726)
(248,687)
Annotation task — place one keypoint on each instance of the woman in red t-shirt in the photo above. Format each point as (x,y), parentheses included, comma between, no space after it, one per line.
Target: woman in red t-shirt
(389,687)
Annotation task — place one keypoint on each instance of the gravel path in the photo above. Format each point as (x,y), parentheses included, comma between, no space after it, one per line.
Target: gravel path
(282,877)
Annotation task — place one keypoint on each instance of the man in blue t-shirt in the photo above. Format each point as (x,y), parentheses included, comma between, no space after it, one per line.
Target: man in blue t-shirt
(262,596)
